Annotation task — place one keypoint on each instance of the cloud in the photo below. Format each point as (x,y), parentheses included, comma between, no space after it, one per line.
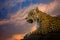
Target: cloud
(10,3)
(33,28)
(9,7)
(20,0)
(16,37)
(3,22)
(9,29)
(51,8)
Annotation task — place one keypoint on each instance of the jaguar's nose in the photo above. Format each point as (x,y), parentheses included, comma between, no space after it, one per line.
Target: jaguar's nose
(25,18)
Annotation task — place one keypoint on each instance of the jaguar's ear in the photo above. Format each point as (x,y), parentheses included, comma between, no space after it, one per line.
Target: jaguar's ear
(37,10)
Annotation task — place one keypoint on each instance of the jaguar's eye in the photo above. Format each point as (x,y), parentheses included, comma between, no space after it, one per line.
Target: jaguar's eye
(30,21)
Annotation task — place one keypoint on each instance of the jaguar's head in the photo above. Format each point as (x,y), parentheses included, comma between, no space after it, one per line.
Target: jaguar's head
(32,15)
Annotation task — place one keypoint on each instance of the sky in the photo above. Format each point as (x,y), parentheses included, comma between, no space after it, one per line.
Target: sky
(12,13)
